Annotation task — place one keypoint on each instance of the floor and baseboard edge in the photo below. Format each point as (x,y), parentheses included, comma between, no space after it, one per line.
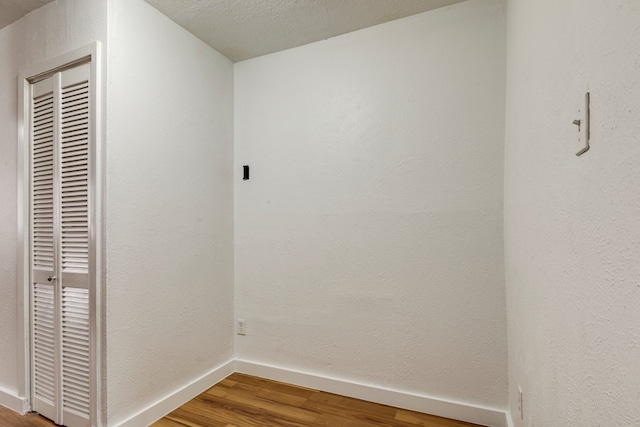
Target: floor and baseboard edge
(416,402)
(510,422)
(179,397)
(421,403)
(13,402)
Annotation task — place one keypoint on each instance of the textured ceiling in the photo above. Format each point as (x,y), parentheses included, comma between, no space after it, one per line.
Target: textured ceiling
(12,10)
(242,29)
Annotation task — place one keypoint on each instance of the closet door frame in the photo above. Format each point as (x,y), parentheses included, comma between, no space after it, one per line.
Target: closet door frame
(92,54)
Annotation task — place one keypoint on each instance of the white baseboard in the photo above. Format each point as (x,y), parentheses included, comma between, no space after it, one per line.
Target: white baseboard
(415,402)
(162,407)
(400,399)
(13,402)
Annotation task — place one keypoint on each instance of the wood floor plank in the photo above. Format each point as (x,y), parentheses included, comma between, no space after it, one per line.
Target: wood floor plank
(230,380)
(356,420)
(215,412)
(13,419)
(247,401)
(227,383)
(193,414)
(218,391)
(331,415)
(168,422)
(426,420)
(273,385)
(348,403)
(218,409)
(266,394)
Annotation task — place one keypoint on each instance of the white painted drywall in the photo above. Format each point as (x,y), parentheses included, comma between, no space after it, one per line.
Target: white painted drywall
(52,30)
(572,225)
(62,26)
(369,237)
(169,208)
(11,44)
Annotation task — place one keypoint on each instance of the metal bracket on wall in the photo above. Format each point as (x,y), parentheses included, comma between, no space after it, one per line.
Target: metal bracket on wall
(583,124)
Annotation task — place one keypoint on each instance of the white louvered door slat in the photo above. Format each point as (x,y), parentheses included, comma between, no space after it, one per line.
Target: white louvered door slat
(44,345)
(60,246)
(74,244)
(44,350)
(75,360)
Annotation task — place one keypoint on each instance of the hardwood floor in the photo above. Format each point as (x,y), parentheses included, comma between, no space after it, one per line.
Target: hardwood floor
(246,401)
(9,418)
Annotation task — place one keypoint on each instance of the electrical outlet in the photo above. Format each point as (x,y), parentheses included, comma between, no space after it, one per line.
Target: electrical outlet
(520,403)
(241,328)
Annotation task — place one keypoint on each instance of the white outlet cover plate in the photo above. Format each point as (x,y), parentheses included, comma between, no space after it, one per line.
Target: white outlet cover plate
(241,327)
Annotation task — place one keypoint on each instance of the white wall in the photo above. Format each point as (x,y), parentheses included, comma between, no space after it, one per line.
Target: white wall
(11,44)
(52,30)
(169,208)
(572,224)
(169,317)
(369,237)
(62,26)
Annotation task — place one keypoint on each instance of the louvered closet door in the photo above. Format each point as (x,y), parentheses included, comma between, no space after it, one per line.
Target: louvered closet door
(44,348)
(60,247)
